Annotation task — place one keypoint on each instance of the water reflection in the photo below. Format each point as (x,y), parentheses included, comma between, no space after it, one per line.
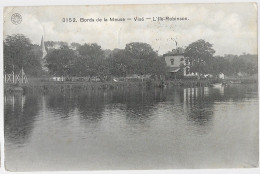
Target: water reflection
(137,105)
(20,112)
(198,110)
(92,105)
(125,114)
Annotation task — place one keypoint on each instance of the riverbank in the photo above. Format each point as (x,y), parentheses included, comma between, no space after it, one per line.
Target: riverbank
(45,86)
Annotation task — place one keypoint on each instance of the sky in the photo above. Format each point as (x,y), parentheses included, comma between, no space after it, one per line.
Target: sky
(230,27)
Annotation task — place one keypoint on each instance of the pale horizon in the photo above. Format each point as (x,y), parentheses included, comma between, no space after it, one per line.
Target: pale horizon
(223,25)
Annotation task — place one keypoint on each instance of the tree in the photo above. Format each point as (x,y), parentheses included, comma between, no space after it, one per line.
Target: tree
(92,51)
(139,50)
(158,67)
(92,60)
(218,65)
(20,52)
(75,45)
(233,64)
(120,64)
(143,59)
(103,71)
(60,61)
(199,54)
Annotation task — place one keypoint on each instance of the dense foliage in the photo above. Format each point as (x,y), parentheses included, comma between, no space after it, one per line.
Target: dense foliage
(91,60)
(200,53)
(80,60)
(20,52)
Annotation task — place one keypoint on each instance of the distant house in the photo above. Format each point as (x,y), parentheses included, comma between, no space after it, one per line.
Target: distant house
(178,66)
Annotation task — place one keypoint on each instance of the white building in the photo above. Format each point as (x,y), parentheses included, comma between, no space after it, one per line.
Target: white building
(177,65)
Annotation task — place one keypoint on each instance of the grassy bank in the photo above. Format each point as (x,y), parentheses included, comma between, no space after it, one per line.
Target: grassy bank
(52,86)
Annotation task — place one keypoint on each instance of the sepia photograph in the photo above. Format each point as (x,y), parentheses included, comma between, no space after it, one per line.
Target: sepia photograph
(130,87)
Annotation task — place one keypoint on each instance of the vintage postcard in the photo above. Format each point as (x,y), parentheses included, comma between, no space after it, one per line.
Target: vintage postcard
(130,87)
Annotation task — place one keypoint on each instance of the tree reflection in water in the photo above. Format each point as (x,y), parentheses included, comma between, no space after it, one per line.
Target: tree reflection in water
(20,112)
(137,106)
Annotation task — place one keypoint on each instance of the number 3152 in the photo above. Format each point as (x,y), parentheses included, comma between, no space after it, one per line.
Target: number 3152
(69,20)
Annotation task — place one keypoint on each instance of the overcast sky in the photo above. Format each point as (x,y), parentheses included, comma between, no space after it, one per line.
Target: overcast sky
(231,28)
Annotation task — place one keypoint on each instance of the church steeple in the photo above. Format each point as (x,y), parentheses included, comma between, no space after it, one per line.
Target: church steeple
(44,52)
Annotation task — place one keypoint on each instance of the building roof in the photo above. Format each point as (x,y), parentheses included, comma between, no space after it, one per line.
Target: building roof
(174,69)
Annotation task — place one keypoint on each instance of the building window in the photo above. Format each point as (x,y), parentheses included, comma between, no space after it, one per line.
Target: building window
(172,61)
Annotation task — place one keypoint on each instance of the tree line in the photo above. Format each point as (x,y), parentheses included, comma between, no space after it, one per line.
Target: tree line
(91,60)
(201,56)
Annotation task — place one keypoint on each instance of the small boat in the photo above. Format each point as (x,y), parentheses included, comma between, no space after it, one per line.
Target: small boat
(216,85)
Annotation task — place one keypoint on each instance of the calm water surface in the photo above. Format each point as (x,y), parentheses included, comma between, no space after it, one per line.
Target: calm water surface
(133,129)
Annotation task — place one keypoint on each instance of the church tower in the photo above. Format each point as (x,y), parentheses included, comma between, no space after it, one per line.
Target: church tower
(44,53)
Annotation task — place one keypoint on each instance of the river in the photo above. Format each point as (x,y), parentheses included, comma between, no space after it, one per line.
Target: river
(132,129)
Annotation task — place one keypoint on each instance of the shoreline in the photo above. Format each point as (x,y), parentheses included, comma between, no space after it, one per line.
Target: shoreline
(59,86)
